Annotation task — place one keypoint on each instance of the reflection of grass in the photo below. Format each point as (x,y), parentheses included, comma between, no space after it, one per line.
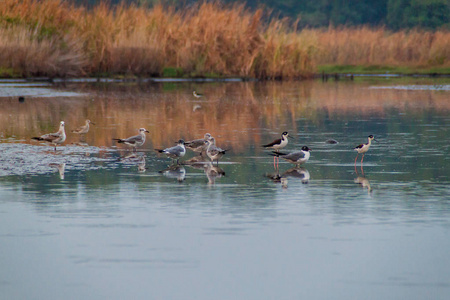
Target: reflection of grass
(379,69)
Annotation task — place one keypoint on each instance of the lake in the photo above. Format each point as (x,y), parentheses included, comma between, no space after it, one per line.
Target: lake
(94,220)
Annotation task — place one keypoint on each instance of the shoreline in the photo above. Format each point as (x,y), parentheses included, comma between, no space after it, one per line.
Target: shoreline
(323,76)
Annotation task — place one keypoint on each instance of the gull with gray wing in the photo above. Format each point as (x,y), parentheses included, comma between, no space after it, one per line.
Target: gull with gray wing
(297,158)
(175,152)
(214,152)
(134,141)
(199,145)
(56,138)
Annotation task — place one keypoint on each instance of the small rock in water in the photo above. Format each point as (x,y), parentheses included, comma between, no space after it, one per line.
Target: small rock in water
(331,141)
(21,99)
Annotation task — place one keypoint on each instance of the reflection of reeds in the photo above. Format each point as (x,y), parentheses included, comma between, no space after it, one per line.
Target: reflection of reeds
(237,114)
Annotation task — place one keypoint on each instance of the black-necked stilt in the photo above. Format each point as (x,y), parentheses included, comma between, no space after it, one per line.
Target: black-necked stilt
(214,152)
(278,144)
(199,145)
(197,95)
(53,138)
(83,129)
(134,141)
(363,148)
(175,152)
(297,158)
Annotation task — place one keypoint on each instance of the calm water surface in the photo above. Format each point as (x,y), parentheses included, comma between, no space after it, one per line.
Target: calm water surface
(91,221)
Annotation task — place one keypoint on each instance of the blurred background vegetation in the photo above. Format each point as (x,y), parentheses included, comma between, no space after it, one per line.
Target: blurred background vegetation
(393,14)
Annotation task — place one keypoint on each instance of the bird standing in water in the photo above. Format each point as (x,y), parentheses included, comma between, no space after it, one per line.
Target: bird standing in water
(278,144)
(199,145)
(297,158)
(83,129)
(134,141)
(175,152)
(53,138)
(214,153)
(363,148)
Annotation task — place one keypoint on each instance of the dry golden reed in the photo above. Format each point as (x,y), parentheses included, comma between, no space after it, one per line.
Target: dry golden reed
(366,46)
(54,38)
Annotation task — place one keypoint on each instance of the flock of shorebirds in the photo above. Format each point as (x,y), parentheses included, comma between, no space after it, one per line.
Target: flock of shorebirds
(204,146)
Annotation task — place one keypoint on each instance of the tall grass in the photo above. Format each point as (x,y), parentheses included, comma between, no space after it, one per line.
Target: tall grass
(54,38)
(365,46)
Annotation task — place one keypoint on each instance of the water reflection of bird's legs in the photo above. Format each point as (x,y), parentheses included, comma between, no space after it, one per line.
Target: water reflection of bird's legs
(355,162)
(362,169)
(277,159)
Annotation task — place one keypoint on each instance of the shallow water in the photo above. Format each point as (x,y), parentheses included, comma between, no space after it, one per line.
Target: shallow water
(93,220)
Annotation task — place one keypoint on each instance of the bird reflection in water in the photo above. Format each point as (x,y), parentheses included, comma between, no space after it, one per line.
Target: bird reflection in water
(296,172)
(197,162)
(213,172)
(141,164)
(175,171)
(61,169)
(300,173)
(135,158)
(364,182)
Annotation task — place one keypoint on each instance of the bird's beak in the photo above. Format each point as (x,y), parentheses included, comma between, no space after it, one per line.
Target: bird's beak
(147,131)
(291,137)
(375,140)
(92,123)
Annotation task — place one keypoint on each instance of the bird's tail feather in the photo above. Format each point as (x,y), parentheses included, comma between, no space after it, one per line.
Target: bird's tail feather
(277,153)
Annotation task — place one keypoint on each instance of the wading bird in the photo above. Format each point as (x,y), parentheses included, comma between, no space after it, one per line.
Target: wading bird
(175,152)
(199,145)
(83,129)
(278,144)
(53,138)
(197,95)
(297,158)
(363,148)
(134,141)
(214,153)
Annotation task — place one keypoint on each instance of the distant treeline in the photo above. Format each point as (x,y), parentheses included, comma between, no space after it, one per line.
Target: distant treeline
(393,14)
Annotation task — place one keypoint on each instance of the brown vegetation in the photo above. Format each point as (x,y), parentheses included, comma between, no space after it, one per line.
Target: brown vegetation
(54,38)
(365,46)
